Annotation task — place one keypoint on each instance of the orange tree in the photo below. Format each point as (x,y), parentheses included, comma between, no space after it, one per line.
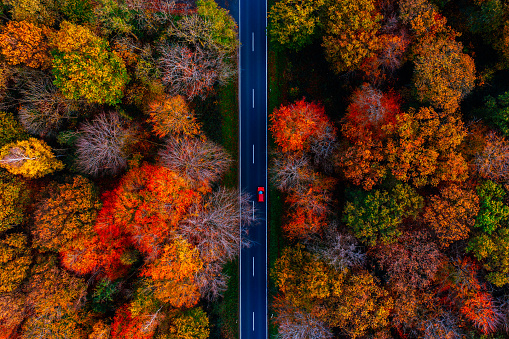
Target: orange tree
(84,68)
(14,197)
(452,214)
(295,127)
(424,148)
(443,74)
(15,260)
(66,216)
(25,43)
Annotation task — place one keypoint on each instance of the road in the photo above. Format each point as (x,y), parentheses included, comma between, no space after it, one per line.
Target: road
(253,163)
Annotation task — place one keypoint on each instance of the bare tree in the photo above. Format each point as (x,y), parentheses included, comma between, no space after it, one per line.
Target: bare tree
(102,145)
(341,251)
(211,281)
(444,326)
(43,107)
(294,323)
(193,72)
(218,226)
(322,148)
(196,159)
(291,173)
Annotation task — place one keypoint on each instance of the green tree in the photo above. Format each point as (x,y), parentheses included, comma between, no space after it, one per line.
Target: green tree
(14,196)
(84,68)
(375,217)
(15,260)
(190,324)
(493,251)
(10,129)
(31,158)
(492,210)
(294,23)
(223,29)
(350,33)
(497,111)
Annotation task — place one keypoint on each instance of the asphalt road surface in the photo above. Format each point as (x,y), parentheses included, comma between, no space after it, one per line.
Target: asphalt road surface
(253,164)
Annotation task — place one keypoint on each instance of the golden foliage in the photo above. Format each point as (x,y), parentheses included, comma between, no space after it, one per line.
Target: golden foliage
(24,42)
(171,114)
(15,260)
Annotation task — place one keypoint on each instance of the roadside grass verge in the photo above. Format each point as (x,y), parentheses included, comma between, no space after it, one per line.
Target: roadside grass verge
(225,312)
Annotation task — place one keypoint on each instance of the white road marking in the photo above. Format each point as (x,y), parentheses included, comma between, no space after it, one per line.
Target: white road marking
(252,41)
(253,97)
(253,266)
(253,321)
(253,209)
(253,153)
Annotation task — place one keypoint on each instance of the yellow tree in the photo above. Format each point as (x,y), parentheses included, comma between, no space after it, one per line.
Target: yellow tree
(190,324)
(350,33)
(173,274)
(25,43)
(31,158)
(14,196)
(15,260)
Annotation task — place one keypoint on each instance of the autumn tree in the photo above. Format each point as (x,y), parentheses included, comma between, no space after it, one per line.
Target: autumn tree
(84,68)
(369,120)
(43,108)
(35,11)
(10,129)
(14,197)
(422,16)
(451,215)
(348,40)
(411,263)
(140,213)
(424,148)
(102,145)
(195,158)
(493,161)
(13,310)
(15,260)
(172,274)
(295,323)
(193,72)
(171,114)
(190,324)
(304,280)
(297,126)
(125,325)
(360,307)
(308,209)
(294,24)
(460,287)
(375,218)
(55,296)
(443,74)
(66,216)
(30,158)
(25,43)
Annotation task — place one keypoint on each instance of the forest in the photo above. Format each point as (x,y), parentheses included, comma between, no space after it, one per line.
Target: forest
(118,199)
(390,166)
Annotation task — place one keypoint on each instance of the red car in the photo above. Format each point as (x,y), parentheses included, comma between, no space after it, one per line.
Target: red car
(261,194)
